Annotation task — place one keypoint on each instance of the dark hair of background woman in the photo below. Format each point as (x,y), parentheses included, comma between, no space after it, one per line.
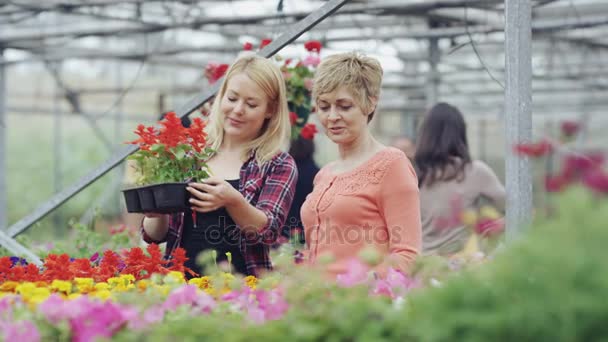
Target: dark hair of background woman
(302,149)
(442,150)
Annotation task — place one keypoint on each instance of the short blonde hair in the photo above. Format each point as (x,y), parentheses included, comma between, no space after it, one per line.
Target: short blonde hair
(360,74)
(276,130)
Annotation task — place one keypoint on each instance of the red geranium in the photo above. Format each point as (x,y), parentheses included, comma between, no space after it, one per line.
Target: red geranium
(313,46)
(569,128)
(293,118)
(247,46)
(265,42)
(534,150)
(172,153)
(308,131)
(214,71)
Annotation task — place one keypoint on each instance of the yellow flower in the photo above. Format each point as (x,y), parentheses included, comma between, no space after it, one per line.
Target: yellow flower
(489,212)
(210,291)
(84,285)
(8,286)
(128,278)
(228,278)
(162,289)
(102,286)
(39,295)
(174,277)
(74,296)
(25,289)
(61,286)
(201,283)
(115,281)
(143,284)
(101,294)
(251,282)
(468,217)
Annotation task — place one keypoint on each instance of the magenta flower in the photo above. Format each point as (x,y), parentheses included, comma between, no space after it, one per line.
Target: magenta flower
(311,60)
(204,303)
(356,274)
(569,128)
(272,303)
(184,295)
(394,282)
(98,319)
(55,309)
(22,331)
(596,180)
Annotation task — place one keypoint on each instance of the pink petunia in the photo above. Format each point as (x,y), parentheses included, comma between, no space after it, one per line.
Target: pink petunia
(596,180)
(184,295)
(311,60)
(356,274)
(22,331)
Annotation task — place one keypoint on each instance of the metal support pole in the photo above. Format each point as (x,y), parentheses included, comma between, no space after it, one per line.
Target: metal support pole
(57,149)
(432,92)
(518,113)
(3,149)
(482,127)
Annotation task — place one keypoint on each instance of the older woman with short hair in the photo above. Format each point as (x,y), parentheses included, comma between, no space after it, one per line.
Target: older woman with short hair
(368,197)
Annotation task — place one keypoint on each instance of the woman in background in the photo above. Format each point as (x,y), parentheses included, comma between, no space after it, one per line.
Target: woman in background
(449,180)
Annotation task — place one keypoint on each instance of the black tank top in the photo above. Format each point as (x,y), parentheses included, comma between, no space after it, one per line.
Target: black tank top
(214,230)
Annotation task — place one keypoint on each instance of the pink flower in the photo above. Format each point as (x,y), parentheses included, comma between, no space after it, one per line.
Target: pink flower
(185,295)
(154,314)
(205,303)
(382,288)
(272,302)
(394,282)
(577,165)
(536,150)
(596,180)
(556,183)
(489,227)
(569,128)
(55,309)
(286,75)
(356,274)
(311,60)
(265,42)
(22,331)
(247,46)
(308,84)
(98,320)
(6,304)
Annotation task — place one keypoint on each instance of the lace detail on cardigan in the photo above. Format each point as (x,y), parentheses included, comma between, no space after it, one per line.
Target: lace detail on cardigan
(354,181)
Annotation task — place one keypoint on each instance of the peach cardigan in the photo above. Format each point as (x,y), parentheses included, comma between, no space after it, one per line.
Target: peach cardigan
(376,204)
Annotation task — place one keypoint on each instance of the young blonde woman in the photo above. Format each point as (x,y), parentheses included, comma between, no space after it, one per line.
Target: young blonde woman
(368,197)
(242,208)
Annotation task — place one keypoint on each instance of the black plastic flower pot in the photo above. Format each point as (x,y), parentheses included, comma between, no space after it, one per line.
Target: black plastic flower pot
(132,200)
(146,199)
(171,197)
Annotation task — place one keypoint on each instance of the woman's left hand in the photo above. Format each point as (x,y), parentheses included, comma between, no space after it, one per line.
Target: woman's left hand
(213,193)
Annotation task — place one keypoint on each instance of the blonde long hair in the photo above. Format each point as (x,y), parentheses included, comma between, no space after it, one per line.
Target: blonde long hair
(274,136)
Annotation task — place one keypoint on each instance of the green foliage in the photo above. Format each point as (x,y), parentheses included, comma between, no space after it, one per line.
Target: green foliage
(548,286)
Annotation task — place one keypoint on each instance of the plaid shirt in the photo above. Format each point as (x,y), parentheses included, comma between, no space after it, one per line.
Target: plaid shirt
(270,188)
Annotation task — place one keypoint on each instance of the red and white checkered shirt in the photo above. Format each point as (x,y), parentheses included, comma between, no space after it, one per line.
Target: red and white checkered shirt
(270,188)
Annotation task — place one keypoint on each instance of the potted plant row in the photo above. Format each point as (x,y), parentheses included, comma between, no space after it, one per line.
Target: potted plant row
(168,158)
